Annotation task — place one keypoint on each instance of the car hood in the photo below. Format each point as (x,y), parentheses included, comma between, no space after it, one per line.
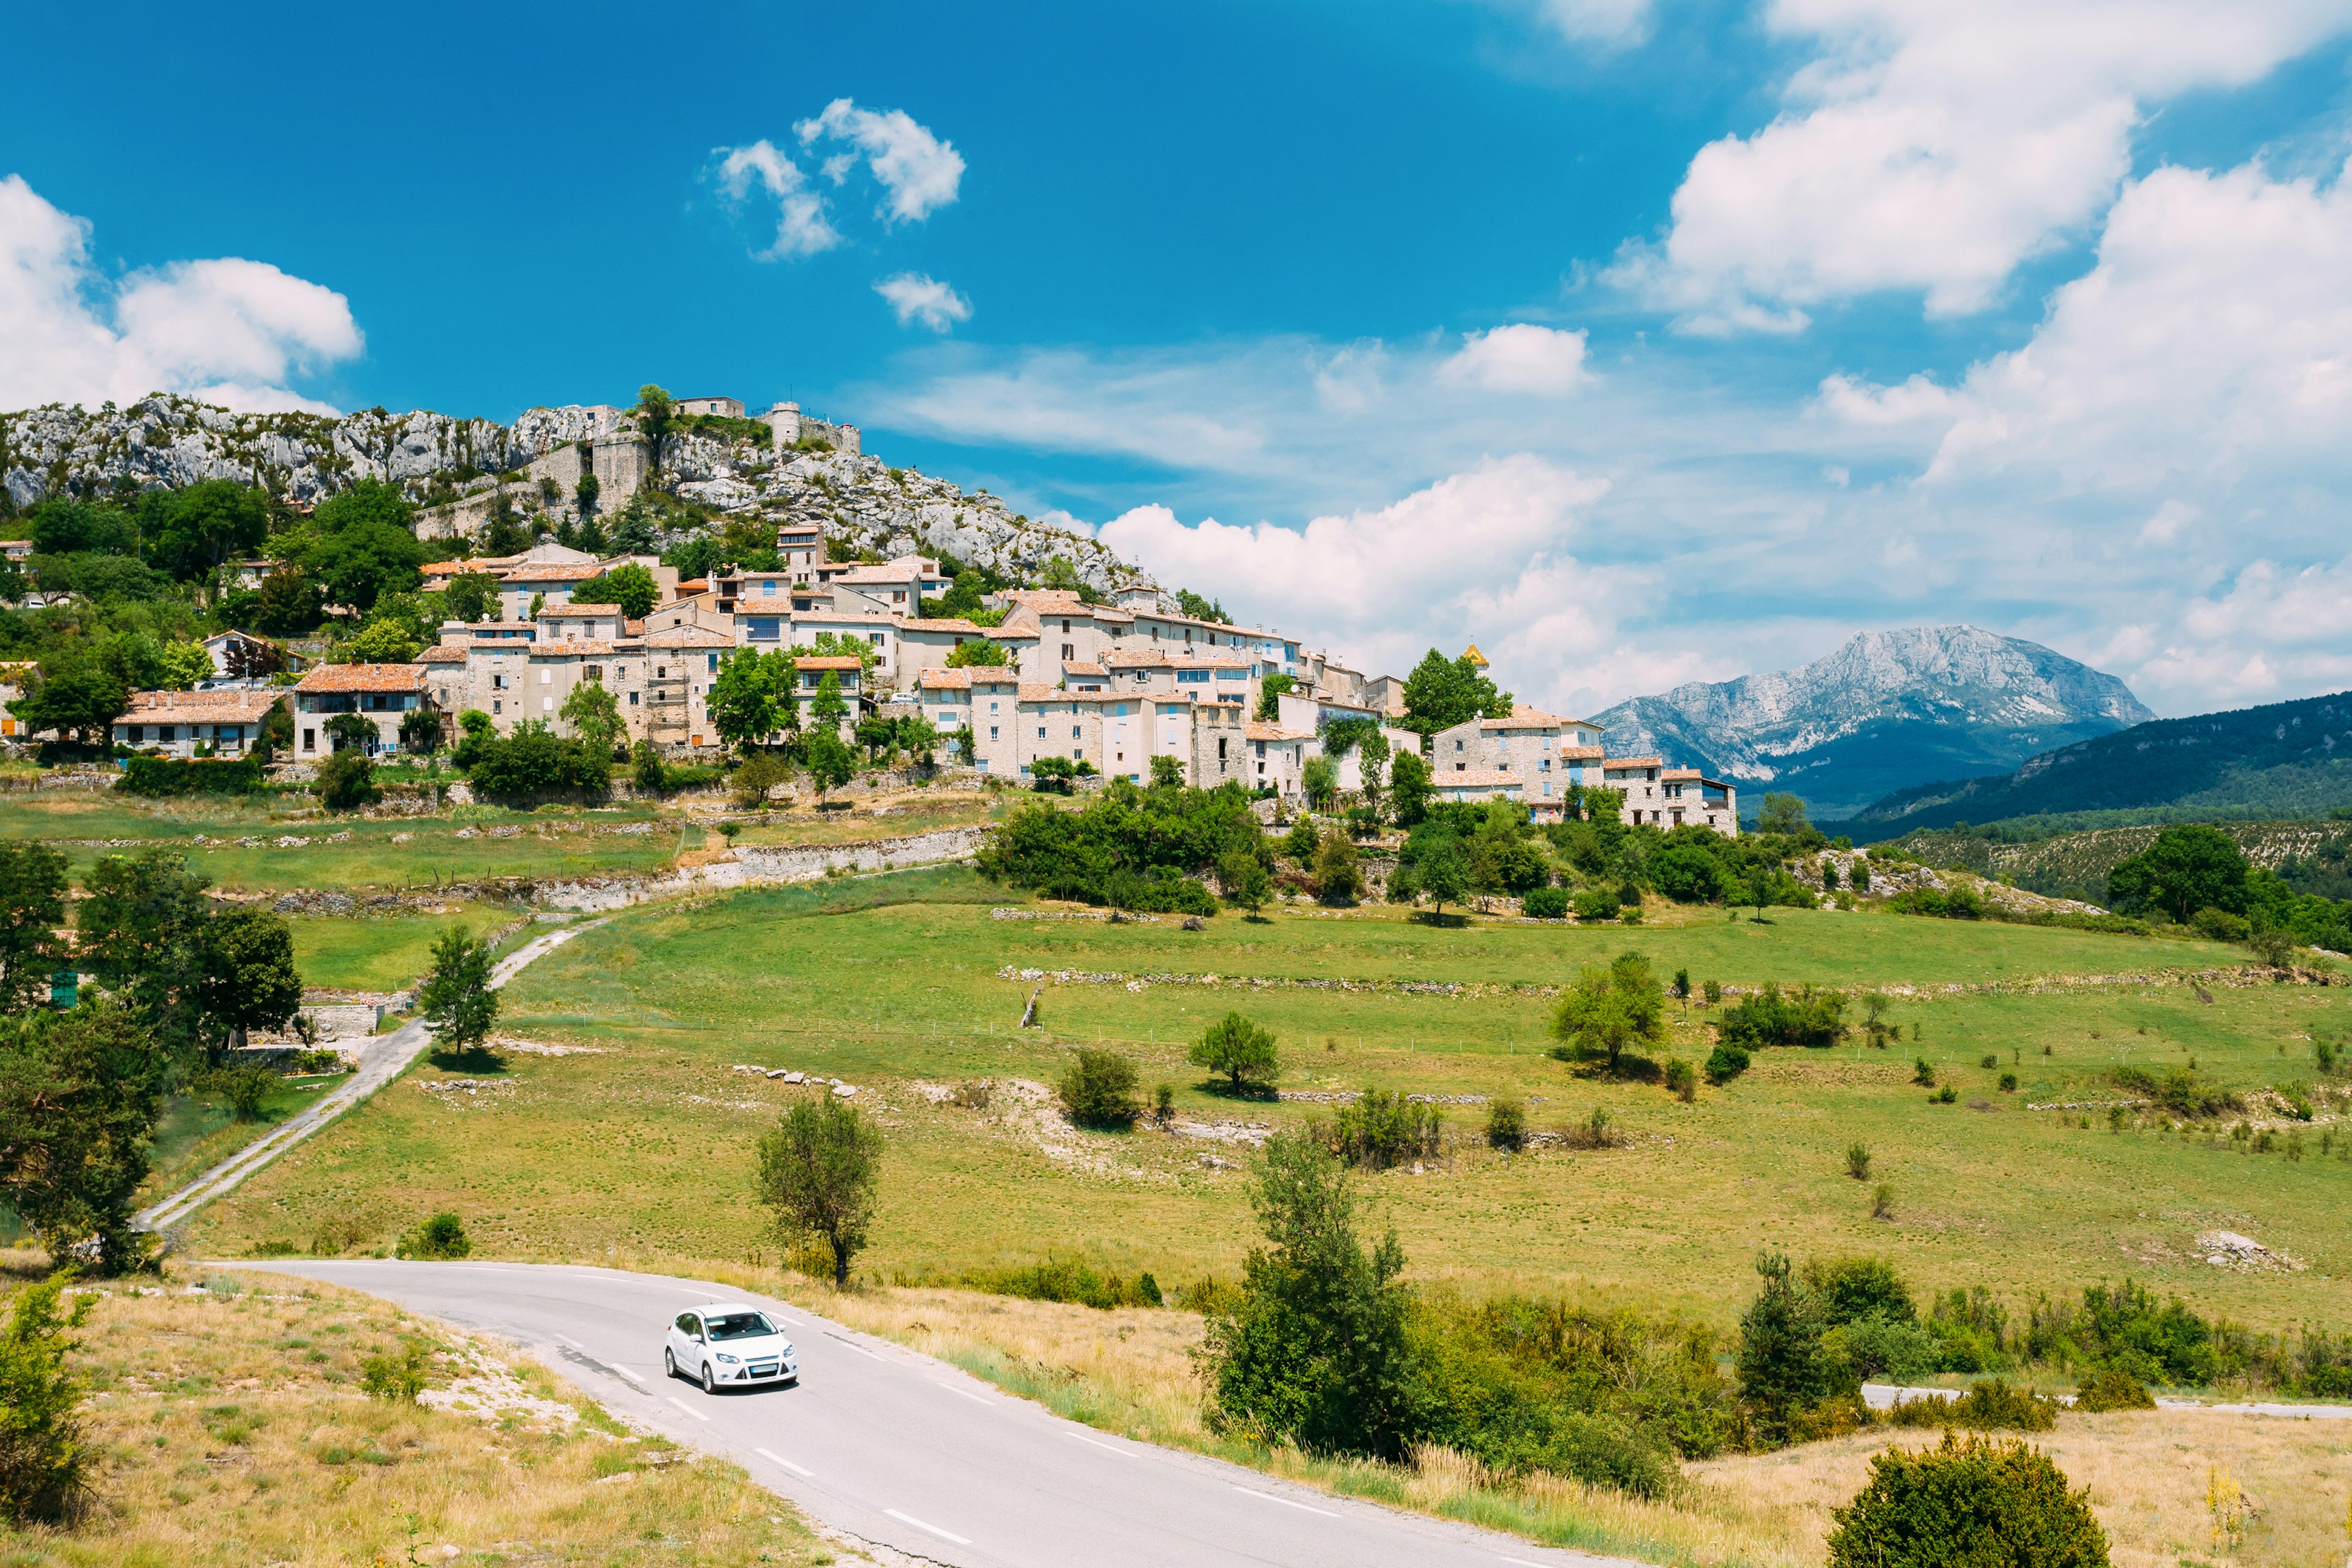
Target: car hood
(758,1345)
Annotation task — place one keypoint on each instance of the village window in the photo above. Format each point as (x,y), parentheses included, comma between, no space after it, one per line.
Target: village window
(991,732)
(1066,627)
(309,740)
(1075,733)
(496,707)
(1069,651)
(594,673)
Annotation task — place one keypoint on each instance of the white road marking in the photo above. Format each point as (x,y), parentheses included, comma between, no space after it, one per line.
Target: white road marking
(1283,1500)
(632,1376)
(1105,1447)
(689,1409)
(935,1529)
(779,1459)
(968,1393)
(1521,1562)
(568,1340)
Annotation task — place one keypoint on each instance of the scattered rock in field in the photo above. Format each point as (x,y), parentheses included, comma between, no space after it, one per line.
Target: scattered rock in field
(403,838)
(1212,1162)
(2243,1254)
(288,841)
(1194,922)
(797,1077)
(506,830)
(468,833)
(538,1048)
(845,1090)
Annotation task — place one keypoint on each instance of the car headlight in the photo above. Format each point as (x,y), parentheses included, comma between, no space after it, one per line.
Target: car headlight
(726,1359)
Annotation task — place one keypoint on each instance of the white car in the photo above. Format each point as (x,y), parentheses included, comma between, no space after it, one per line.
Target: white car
(726,1345)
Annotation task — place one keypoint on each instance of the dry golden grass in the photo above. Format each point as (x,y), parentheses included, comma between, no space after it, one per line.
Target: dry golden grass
(231,1430)
(2147,1473)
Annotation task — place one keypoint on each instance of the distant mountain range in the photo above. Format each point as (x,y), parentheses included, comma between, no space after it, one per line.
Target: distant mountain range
(1887,712)
(2286,759)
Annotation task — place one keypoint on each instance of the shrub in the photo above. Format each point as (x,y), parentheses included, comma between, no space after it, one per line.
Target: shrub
(1956,904)
(973,1094)
(1879,1347)
(1381,1128)
(1595,906)
(44,1462)
(1986,1406)
(534,760)
(165,776)
(1598,1131)
(1724,1063)
(1098,1090)
(1507,1123)
(2009,1083)
(754,776)
(2112,1388)
(1810,1018)
(1546,903)
(1988,1062)
(243,1089)
(1857,1161)
(1923,1073)
(1339,879)
(1853,1288)
(1608,1010)
(1947,1094)
(1971,1501)
(1238,1048)
(1682,1080)
(1067,1280)
(442,1235)
(2220,925)
(347,781)
(399,1378)
(1784,1368)
(2180,1091)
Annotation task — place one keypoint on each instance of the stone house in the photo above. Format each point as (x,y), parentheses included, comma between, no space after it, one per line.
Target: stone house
(1535,747)
(899,586)
(235,651)
(1638,777)
(925,643)
(1693,797)
(996,723)
(808,679)
(683,661)
(176,723)
(1277,757)
(1480,785)
(1055,723)
(724,407)
(381,693)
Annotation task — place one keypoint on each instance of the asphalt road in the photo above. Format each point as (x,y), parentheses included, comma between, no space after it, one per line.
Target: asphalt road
(894,1446)
(381,1059)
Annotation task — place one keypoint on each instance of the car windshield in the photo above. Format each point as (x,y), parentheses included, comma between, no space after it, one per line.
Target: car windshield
(740,1326)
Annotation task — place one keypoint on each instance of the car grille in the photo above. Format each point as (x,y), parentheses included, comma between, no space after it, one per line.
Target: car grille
(762,1369)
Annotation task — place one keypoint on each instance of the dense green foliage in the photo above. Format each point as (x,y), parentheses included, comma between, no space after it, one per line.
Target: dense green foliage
(630,588)
(457,998)
(819,1170)
(1442,693)
(80,1093)
(1971,1503)
(32,909)
(1133,847)
(1067,1280)
(167,776)
(196,977)
(1609,1011)
(44,1460)
(534,760)
(1097,1090)
(1810,1017)
(1240,1050)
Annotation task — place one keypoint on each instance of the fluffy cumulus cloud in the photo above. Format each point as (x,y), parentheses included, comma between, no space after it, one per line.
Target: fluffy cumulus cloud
(229,330)
(801,227)
(914,297)
(1523,358)
(1484,555)
(919,172)
(1934,147)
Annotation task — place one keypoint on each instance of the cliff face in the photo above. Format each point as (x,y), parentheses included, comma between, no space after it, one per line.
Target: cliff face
(1886,712)
(172,441)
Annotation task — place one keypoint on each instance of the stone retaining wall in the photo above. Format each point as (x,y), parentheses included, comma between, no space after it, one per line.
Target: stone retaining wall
(754,864)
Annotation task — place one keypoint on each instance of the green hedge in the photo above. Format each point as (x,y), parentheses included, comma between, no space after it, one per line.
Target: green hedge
(175,776)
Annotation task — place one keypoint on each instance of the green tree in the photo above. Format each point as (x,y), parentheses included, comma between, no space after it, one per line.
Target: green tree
(1314,1351)
(141,926)
(420,729)
(595,715)
(1372,764)
(183,664)
(656,413)
(585,493)
(456,997)
(1167,772)
(1320,780)
(1974,1500)
(346,780)
(44,1455)
(1409,788)
(205,525)
(1503,859)
(827,710)
(1339,879)
(1442,693)
(1783,1367)
(2188,868)
(1242,876)
(1270,696)
(81,699)
(250,980)
(1200,609)
(381,641)
(743,696)
(977,653)
(1301,843)
(475,731)
(1608,1010)
(360,545)
(1442,874)
(630,588)
(1238,1048)
(351,731)
(646,770)
(288,603)
(471,596)
(1781,814)
(1098,1090)
(80,1095)
(829,760)
(819,1169)
(32,910)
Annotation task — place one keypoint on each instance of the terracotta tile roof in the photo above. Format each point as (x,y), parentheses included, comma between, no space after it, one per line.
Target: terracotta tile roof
(944,680)
(863,618)
(904,569)
(364,677)
(1037,691)
(1679,773)
(579,648)
(692,588)
(442,653)
(1580,753)
(1075,667)
(827,661)
(1261,731)
(1476,778)
(940,623)
(1526,719)
(1629,762)
(551,572)
(576,610)
(243,707)
(1041,597)
(1011,633)
(689,637)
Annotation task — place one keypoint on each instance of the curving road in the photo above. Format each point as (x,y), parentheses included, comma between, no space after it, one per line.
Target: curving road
(381,1059)
(899,1448)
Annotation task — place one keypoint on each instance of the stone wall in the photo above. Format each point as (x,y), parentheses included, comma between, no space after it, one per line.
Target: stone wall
(622,462)
(751,866)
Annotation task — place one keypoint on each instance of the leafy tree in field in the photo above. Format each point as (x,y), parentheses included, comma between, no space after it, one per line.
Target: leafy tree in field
(533,759)
(1609,1010)
(1320,780)
(347,780)
(141,926)
(2188,868)
(918,737)
(1504,858)
(827,710)
(44,1458)
(630,588)
(471,596)
(1442,693)
(1243,880)
(1409,788)
(1783,1367)
(1269,695)
(819,1169)
(420,729)
(1191,604)
(876,733)
(743,699)
(595,715)
(1098,1090)
(82,700)
(1238,1048)
(1781,814)
(829,760)
(1972,1501)
(250,980)
(32,909)
(457,998)
(206,525)
(1339,879)
(1051,775)
(381,641)
(1442,874)
(79,1094)
(1314,1351)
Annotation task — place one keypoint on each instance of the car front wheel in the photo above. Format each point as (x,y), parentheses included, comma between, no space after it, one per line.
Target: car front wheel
(669,1365)
(709,1384)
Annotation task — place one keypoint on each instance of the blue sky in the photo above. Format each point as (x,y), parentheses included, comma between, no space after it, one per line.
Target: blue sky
(1639,343)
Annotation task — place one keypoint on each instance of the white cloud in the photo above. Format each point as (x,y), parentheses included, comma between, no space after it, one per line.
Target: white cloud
(916,298)
(2173,518)
(801,226)
(229,330)
(920,172)
(1934,147)
(1597,21)
(1542,360)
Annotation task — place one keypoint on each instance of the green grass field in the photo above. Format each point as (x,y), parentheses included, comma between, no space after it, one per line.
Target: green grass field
(889,982)
(380,953)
